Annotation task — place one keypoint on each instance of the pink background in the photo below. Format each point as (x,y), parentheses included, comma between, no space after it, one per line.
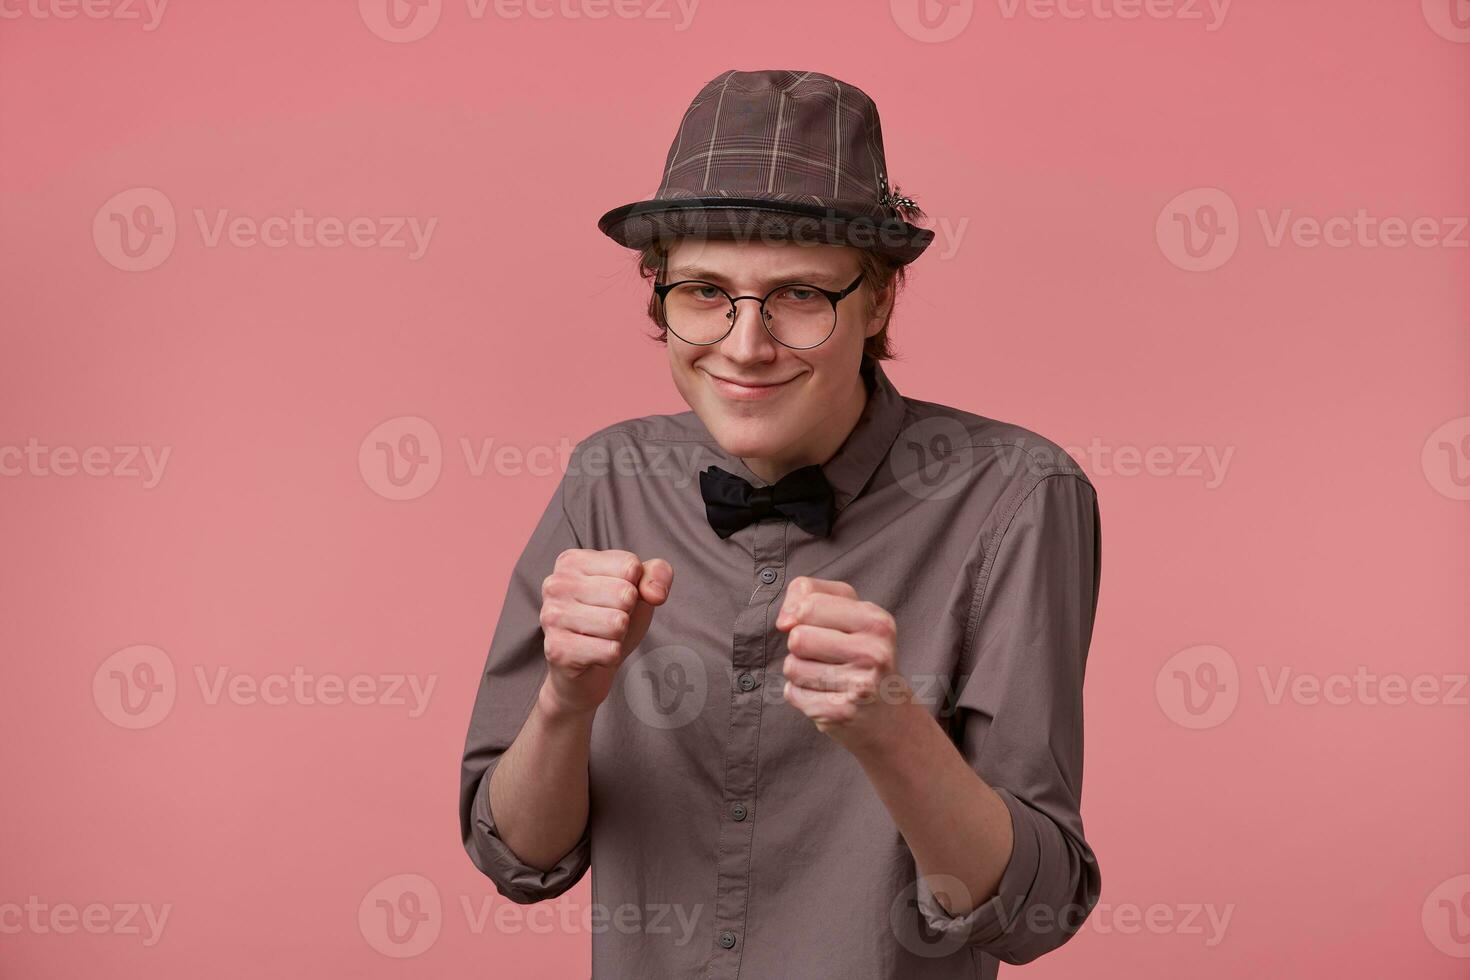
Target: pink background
(1064,154)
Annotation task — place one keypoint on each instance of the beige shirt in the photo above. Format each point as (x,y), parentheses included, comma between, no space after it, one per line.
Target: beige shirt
(727,836)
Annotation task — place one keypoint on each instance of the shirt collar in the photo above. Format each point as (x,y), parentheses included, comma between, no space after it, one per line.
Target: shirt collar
(867,445)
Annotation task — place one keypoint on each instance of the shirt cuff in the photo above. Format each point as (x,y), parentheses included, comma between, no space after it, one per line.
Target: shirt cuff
(992,922)
(513,878)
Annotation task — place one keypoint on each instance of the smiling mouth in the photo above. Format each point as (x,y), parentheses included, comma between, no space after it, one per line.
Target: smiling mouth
(749,384)
(744,391)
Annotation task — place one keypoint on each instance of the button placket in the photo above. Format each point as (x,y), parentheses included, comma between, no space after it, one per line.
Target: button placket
(749,652)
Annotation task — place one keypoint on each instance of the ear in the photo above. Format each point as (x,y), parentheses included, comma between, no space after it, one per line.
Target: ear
(882,303)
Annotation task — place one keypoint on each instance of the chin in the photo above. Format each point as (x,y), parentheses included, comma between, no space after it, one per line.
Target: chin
(750,438)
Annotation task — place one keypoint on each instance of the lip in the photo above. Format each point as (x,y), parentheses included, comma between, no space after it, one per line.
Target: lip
(745,392)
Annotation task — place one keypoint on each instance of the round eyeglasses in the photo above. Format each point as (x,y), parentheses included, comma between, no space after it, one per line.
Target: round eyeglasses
(796,314)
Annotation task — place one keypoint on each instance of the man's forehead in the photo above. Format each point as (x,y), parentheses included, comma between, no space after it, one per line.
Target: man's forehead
(713,259)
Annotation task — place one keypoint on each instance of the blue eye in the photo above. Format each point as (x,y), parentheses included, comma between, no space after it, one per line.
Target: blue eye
(797,295)
(702,293)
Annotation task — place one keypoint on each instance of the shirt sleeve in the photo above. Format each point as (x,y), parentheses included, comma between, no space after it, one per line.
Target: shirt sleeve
(1019,709)
(514,670)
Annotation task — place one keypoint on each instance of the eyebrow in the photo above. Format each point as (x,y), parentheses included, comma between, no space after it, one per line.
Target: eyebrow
(813,276)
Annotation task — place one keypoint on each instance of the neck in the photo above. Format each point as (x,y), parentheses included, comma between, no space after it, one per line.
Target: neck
(822,444)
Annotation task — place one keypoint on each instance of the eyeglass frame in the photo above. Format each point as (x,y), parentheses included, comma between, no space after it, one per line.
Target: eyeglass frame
(833,297)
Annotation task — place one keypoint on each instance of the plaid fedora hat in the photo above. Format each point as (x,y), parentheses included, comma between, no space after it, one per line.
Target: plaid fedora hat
(789,155)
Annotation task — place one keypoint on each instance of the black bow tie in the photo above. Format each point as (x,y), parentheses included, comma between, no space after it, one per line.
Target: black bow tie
(804,495)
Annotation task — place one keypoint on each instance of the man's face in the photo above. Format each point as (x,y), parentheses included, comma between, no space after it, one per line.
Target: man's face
(760,399)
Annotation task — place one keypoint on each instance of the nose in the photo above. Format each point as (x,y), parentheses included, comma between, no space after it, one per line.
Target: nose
(748,340)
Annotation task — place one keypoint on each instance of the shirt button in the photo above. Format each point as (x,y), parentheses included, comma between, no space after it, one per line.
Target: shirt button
(746,682)
(768,575)
(738,811)
(727,939)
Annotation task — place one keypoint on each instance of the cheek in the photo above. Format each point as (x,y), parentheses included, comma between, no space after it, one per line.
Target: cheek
(687,383)
(852,325)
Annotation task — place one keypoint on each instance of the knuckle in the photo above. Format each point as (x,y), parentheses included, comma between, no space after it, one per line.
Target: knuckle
(629,566)
(883,623)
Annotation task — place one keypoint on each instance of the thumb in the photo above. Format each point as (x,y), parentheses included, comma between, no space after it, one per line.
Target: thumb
(658,578)
(653,590)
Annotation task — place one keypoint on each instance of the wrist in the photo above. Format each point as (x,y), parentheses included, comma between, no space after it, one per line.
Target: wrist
(557,714)
(896,734)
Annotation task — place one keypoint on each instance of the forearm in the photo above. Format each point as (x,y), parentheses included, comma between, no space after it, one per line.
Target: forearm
(953,822)
(538,792)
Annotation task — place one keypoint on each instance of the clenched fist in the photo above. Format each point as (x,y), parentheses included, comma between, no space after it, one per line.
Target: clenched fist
(841,666)
(595,610)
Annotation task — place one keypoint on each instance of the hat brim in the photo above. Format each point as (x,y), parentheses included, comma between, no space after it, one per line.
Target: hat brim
(640,224)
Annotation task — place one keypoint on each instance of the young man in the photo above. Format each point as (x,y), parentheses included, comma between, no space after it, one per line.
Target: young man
(814,709)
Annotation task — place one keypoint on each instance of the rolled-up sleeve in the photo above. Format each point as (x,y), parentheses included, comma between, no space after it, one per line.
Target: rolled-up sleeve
(514,671)
(1020,718)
